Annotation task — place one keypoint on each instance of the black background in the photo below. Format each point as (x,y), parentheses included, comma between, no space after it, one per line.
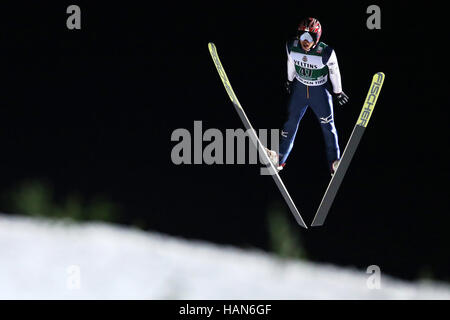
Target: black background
(93,110)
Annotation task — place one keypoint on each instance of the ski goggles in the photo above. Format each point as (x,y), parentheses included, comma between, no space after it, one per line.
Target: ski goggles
(308,36)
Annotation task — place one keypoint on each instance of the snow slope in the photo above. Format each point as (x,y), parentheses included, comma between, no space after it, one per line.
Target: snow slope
(41,259)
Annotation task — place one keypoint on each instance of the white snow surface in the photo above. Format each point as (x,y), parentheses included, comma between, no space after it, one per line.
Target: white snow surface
(44,259)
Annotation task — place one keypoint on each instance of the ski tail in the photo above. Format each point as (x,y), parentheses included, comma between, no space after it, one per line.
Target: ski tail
(352,145)
(253,136)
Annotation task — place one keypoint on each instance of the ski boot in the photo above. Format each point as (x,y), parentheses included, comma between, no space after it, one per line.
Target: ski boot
(334,166)
(274,158)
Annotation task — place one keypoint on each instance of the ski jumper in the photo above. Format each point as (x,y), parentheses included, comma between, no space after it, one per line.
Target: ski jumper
(316,73)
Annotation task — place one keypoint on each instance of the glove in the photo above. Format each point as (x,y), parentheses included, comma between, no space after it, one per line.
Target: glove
(288,86)
(342,98)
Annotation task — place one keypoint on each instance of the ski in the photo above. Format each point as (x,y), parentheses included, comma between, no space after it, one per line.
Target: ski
(253,136)
(349,151)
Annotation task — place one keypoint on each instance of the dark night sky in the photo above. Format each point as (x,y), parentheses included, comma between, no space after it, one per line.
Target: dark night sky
(93,110)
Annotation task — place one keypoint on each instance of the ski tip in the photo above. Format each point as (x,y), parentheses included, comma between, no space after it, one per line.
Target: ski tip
(380,76)
(211,45)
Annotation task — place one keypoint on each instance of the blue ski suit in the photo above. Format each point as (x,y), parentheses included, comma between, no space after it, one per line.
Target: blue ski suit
(319,98)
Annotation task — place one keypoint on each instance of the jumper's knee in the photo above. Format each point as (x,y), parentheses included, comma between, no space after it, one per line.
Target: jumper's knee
(326,120)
